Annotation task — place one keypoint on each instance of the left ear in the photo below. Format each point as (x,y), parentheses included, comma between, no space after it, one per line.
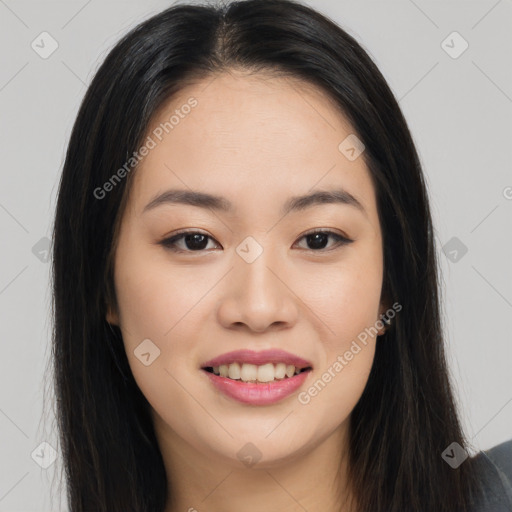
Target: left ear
(385,305)
(111,316)
(381,321)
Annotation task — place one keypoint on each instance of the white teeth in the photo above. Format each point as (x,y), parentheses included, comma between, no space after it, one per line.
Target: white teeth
(234,371)
(280,371)
(266,372)
(254,373)
(249,372)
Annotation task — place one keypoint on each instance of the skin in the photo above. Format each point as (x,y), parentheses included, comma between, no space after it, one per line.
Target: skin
(257,141)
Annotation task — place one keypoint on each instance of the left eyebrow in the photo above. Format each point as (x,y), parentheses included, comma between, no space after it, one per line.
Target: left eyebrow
(335,196)
(296,203)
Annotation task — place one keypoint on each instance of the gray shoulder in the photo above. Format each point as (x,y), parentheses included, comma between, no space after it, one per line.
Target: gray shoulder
(501,455)
(494,467)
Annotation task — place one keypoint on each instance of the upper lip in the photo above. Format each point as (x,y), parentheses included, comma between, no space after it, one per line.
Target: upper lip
(258,358)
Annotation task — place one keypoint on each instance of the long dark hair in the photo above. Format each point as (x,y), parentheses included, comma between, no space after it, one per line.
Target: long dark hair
(406,416)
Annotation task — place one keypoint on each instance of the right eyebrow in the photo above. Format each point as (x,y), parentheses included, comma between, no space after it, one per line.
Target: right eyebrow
(192,198)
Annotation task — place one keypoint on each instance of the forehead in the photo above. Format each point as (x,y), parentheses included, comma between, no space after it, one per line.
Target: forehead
(234,132)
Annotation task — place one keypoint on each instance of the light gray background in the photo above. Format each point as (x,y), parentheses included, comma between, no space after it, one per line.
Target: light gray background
(459,111)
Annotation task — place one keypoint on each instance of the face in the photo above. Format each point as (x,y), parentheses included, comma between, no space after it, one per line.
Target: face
(197,278)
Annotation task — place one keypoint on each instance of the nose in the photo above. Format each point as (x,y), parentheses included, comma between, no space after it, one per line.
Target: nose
(258,296)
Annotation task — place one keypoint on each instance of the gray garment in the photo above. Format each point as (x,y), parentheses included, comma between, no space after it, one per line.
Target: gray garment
(495,467)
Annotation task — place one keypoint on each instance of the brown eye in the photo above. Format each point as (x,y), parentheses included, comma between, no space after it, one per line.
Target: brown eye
(318,240)
(193,241)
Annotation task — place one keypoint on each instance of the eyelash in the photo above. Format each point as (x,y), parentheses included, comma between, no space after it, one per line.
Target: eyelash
(169,243)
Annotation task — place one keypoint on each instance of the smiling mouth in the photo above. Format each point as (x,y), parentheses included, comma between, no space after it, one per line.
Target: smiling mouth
(260,374)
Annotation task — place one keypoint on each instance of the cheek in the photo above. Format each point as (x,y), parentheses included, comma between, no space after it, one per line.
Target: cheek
(167,304)
(143,299)
(151,302)
(155,307)
(332,394)
(346,296)
(347,300)
(153,292)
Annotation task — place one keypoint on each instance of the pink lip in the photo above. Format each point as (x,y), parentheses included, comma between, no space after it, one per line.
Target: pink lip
(258,394)
(258,358)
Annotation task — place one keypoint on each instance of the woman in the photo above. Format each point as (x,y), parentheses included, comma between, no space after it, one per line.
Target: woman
(210,352)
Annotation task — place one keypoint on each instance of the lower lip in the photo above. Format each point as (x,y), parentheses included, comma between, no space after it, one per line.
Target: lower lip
(258,394)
